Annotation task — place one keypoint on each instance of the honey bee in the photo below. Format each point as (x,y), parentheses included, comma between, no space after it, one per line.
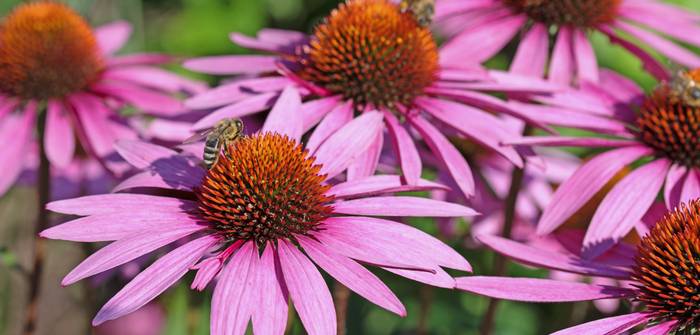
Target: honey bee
(423,10)
(225,132)
(685,89)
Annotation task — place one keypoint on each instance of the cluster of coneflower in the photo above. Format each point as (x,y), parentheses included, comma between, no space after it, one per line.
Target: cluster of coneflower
(340,123)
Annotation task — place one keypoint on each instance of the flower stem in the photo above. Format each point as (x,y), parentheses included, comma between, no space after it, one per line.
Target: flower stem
(341,295)
(499,265)
(426,304)
(43,192)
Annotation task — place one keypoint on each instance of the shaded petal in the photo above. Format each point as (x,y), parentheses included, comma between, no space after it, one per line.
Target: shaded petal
(437,278)
(584,184)
(154,280)
(531,57)
(235,293)
(668,48)
(112,37)
(151,102)
(339,116)
(270,314)
(235,64)
(93,114)
(659,329)
(349,142)
(563,141)
(125,250)
(586,63)
(405,148)
(691,186)
(674,185)
(649,62)
(254,104)
(609,326)
(402,206)
(236,91)
(561,67)
(539,290)
(453,160)
(15,134)
(313,111)
(366,164)
(310,295)
(624,207)
(490,38)
(142,154)
(352,275)
(155,78)
(380,184)
(59,140)
(284,117)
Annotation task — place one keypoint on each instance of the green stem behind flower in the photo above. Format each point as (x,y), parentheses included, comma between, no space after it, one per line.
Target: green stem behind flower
(341,295)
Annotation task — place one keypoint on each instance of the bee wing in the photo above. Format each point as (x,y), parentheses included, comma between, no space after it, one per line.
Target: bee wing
(198,136)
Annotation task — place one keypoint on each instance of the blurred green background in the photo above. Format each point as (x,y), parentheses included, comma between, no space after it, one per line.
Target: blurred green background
(200,27)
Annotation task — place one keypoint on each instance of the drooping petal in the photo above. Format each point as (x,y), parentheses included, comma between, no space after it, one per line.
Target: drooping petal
(125,250)
(584,184)
(674,185)
(15,133)
(448,154)
(691,186)
(119,203)
(538,290)
(615,325)
(93,116)
(236,91)
(112,37)
(366,164)
(402,206)
(313,111)
(624,207)
(150,101)
(405,148)
(531,57)
(230,65)
(561,67)
(270,314)
(254,104)
(339,116)
(352,275)
(659,329)
(586,63)
(155,78)
(490,39)
(379,184)
(350,141)
(438,277)
(154,280)
(59,140)
(284,116)
(310,295)
(236,293)
(142,154)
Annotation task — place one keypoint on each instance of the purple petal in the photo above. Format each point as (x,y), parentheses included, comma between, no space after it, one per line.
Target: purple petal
(270,314)
(584,184)
(125,250)
(403,243)
(531,57)
(547,259)
(142,154)
(563,141)
(236,293)
(366,164)
(284,116)
(313,111)
(154,280)
(119,203)
(402,206)
(563,117)
(490,38)
(666,47)
(561,67)
(352,275)
(586,63)
(16,133)
(155,78)
(539,290)
(349,142)
(93,115)
(405,148)
(236,91)
(649,62)
(659,329)
(229,65)
(339,116)
(254,104)
(308,290)
(138,59)
(112,37)
(615,325)
(437,278)
(151,102)
(380,184)
(691,186)
(59,140)
(624,206)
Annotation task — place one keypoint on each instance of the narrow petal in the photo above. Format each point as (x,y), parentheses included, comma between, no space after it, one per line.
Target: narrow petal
(402,206)
(125,250)
(270,314)
(112,37)
(615,325)
(154,78)
(150,101)
(235,293)
(659,329)
(538,290)
(339,116)
(59,140)
(310,295)
(284,116)
(379,184)
(584,184)
(93,116)
(624,206)
(154,280)
(350,141)
(561,68)
(119,203)
(453,160)
(405,148)
(530,255)
(586,63)
(649,62)
(490,38)
(401,242)
(352,275)
(254,104)
(236,91)
(142,154)
(229,65)
(313,111)
(15,133)
(691,186)
(437,278)
(366,164)
(531,57)
(565,141)
(666,47)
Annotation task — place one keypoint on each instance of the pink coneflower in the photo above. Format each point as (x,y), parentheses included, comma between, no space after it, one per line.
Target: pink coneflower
(368,55)
(659,131)
(492,24)
(57,72)
(258,221)
(660,275)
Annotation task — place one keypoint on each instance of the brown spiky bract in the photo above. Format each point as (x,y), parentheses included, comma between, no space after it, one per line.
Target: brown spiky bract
(263,188)
(371,53)
(668,267)
(46,51)
(579,13)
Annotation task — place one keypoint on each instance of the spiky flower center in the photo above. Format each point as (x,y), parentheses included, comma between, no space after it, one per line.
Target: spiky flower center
(668,267)
(580,13)
(46,50)
(671,126)
(370,52)
(264,187)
